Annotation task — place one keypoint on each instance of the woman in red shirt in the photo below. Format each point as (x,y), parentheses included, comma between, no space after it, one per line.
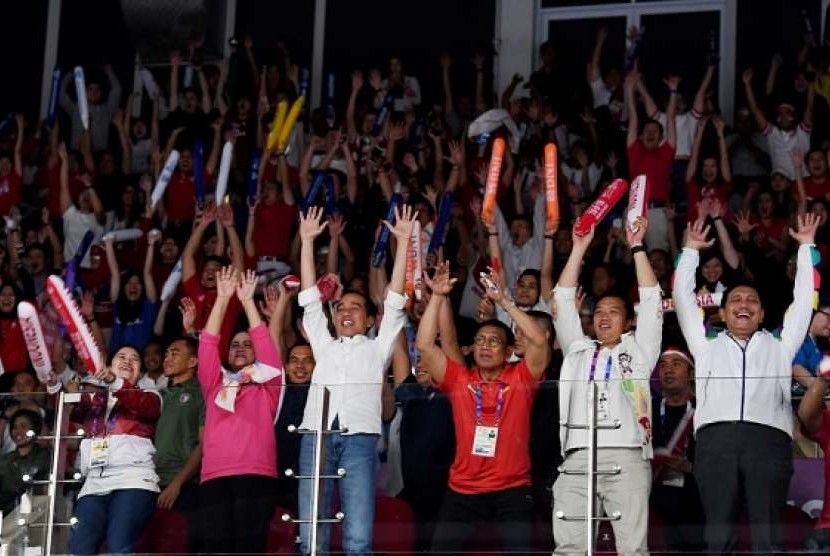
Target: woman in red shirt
(713,179)
(12,346)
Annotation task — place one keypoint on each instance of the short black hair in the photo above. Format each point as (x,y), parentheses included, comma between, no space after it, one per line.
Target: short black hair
(524,217)
(33,416)
(496,323)
(741,284)
(651,121)
(216,259)
(545,320)
(130,346)
(371,308)
(191,343)
(297,344)
(531,272)
(629,306)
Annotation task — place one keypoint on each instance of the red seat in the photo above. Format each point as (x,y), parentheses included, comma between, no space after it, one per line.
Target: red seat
(166,533)
(394,529)
(281,535)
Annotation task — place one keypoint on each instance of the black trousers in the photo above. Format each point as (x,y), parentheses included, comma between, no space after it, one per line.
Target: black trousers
(740,465)
(236,512)
(426,502)
(509,510)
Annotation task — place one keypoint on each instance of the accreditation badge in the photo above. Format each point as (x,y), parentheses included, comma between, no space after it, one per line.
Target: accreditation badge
(99,453)
(484,441)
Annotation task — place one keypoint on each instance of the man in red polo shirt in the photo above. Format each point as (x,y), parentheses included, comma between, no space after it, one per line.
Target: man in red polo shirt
(815,422)
(179,198)
(491,405)
(650,155)
(200,285)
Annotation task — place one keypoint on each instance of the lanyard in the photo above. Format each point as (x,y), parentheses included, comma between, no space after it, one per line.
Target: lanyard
(594,365)
(663,410)
(478,397)
(110,421)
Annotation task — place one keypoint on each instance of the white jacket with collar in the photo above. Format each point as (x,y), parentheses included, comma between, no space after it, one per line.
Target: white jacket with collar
(642,348)
(750,382)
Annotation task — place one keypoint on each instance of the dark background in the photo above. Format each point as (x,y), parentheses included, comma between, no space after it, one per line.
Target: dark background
(365,34)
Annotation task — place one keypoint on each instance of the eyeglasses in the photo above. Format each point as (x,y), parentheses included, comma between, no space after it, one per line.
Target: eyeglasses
(491,341)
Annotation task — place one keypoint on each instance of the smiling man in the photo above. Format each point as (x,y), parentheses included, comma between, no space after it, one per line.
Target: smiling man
(743,421)
(619,362)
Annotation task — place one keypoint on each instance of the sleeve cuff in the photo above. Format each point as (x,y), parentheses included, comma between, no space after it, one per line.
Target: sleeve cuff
(259,330)
(564,293)
(647,293)
(394,301)
(308,296)
(116,384)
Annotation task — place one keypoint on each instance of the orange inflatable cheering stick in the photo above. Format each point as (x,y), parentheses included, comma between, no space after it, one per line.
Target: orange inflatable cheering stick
(551,184)
(492,185)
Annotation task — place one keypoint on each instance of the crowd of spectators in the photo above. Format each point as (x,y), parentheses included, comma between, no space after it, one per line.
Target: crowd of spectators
(455,400)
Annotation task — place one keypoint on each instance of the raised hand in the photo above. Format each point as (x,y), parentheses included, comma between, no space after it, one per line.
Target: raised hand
(807,225)
(582,243)
(635,233)
(441,283)
(741,221)
(226,281)
(246,286)
(445,60)
(672,82)
(696,234)
(336,225)
(797,156)
(496,295)
(719,124)
(311,225)
(225,214)
(746,76)
(404,218)
(375,79)
(188,310)
(456,157)
(357,80)
(269,305)
(87,305)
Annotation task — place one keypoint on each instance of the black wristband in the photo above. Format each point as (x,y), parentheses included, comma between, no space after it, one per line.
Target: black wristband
(549,236)
(488,234)
(638,249)
(716,218)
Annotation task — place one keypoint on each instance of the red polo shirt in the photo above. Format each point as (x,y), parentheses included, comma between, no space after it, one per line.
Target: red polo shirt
(510,468)
(655,164)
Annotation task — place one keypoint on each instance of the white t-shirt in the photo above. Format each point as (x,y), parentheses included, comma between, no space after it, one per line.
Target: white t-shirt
(575,176)
(781,144)
(75,226)
(141,151)
(686,125)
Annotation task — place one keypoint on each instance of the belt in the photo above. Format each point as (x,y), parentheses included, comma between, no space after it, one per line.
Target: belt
(657,204)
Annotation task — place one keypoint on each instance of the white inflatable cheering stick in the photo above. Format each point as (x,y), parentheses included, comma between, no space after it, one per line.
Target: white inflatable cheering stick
(33,336)
(164,178)
(80,91)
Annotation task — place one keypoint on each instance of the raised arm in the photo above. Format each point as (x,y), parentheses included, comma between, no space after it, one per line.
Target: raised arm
(566,318)
(652,111)
(357,85)
(114,97)
(807,120)
(798,315)
(115,272)
(433,358)
(175,60)
(730,254)
(694,157)
(672,83)
(203,85)
(446,64)
(594,72)
(149,281)
(633,118)
(213,159)
(402,229)
(772,75)
(546,282)
(723,148)
(18,145)
(194,241)
(688,313)
(245,289)
(237,252)
(699,104)
(760,119)
(65,197)
(812,408)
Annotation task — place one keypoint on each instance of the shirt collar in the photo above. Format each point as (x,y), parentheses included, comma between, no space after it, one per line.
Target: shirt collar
(356,339)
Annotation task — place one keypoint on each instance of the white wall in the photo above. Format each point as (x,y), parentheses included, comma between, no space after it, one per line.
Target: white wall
(514,41)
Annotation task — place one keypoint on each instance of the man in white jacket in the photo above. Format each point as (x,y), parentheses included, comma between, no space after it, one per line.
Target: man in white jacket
(743,421)
(620,363)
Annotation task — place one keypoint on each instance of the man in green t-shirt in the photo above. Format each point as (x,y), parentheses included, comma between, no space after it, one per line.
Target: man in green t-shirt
(179,429)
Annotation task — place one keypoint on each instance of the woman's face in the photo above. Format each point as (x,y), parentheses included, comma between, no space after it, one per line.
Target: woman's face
(20,430)
(169,250)
(765,205)
(712,270)
(24,386)
(139,130)
(710,170)
(241,353)
(820,210)
(133,288)
(126,364)
(210,245)
(128,196)
(779,183)
(8,299)
(817,164)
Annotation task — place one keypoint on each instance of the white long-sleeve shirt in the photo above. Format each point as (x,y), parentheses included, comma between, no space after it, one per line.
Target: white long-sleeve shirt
(744,381)
(353,369)
(633,359)
(529,254)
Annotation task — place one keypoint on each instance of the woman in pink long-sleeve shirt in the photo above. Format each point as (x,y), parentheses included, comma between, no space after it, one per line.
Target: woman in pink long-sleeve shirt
(239,465)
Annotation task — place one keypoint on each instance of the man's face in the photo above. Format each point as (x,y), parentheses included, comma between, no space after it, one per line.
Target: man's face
(817,164)
(24,386)
(675,374)
(37,261)
(169,250)
(651,135)
(186,161)
(191,101)
(820,327)
(152,357)
(520,232)
(209,274)
(610,319)
(395,67)
(743,312)
(178,359)
(106,166)
(300,365)
(350,317)
(490,347)
(527,291)
(93,93)
(786,118)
